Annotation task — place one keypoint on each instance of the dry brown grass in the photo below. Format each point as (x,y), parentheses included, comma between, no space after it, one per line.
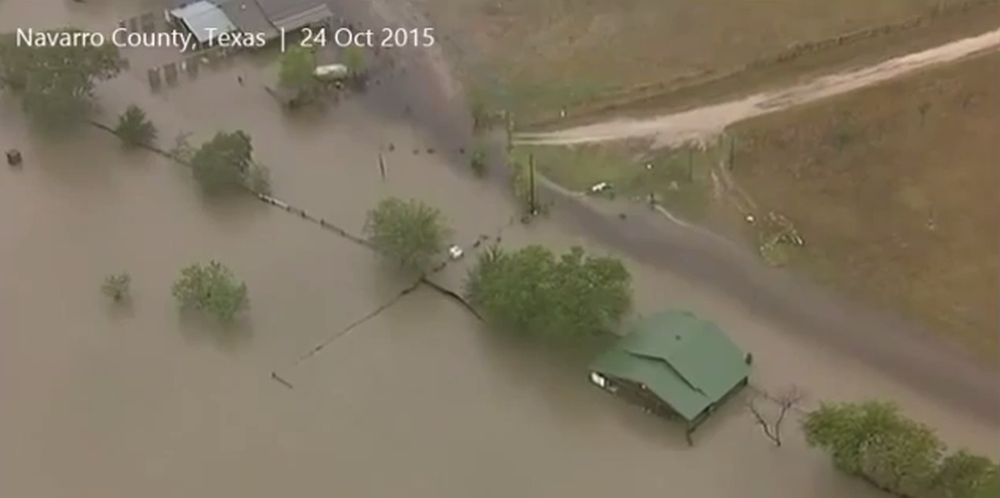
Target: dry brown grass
(534,56)
(895,189)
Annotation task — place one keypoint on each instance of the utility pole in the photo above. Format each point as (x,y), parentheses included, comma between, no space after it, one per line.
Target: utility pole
(690,165)
(531,184)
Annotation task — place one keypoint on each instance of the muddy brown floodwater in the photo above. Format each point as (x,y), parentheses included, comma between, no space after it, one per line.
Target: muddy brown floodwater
(98,400)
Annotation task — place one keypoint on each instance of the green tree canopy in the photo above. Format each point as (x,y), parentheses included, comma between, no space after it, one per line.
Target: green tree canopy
(298,65)
(533,291)
(133,127)
(211,288)
(963,475)
(222,163)
(409,232)
(355,61)
(873,440)
(56,84)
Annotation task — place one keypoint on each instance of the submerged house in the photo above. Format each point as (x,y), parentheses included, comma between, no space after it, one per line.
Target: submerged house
(674,364)
(203,19)
(266,18)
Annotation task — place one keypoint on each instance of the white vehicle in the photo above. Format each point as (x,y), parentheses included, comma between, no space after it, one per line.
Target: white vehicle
(455,252)
(331,72)
(600,187)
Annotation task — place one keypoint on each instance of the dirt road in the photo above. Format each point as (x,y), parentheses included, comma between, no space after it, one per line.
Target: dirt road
(704,123)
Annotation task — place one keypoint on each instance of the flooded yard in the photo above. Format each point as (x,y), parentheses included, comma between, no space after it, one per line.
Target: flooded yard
(99,400)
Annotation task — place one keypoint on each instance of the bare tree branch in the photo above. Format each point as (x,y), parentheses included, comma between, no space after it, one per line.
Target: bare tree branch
(786,400)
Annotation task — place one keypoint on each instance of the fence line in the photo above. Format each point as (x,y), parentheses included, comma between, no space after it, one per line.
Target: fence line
(322,223)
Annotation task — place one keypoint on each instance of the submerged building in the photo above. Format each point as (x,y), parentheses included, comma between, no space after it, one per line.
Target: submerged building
(259,17)
(674,364)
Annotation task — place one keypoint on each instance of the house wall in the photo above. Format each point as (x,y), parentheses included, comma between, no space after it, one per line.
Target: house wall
(635,394)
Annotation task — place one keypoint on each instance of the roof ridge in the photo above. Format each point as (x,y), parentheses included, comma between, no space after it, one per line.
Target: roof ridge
(673,369)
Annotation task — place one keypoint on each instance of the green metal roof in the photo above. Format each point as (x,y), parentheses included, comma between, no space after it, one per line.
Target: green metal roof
(688,362)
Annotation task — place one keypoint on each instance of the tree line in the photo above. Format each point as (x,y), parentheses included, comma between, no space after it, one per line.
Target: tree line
(873,441)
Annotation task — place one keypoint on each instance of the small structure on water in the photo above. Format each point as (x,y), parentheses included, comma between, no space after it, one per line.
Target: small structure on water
(674,364)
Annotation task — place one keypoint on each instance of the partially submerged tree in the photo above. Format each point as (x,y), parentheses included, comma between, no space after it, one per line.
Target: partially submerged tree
(904,457)
(479,109)
(56,83)
(477,161)
(355,60)
(963,475)
(873,440)
(222,163)
(182,150)
(784,402)
(297,73)
(408,232)
(117,286)
(134,128)
(211,288)
(533,291)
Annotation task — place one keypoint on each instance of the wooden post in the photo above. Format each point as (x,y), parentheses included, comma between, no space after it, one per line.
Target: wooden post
(510,131)
(381,165)
(690,165)
(732,153)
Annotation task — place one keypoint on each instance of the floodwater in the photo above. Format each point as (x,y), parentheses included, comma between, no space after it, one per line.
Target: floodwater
(98,400)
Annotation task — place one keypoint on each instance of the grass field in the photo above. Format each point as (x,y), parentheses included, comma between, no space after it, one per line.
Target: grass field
(895,190)
(678,179)
(536,57)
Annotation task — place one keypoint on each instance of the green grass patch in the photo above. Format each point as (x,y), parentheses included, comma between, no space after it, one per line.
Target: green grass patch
(678,179)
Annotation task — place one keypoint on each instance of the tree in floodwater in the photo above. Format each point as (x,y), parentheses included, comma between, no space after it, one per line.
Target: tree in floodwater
(222,163)
(355,61)
(297,72)
(785,401)
(408,232)
(963,475)
(56,83)
(211,288)
(477,161)
(117,286)
(533,291)
(134,128)
(872,440)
